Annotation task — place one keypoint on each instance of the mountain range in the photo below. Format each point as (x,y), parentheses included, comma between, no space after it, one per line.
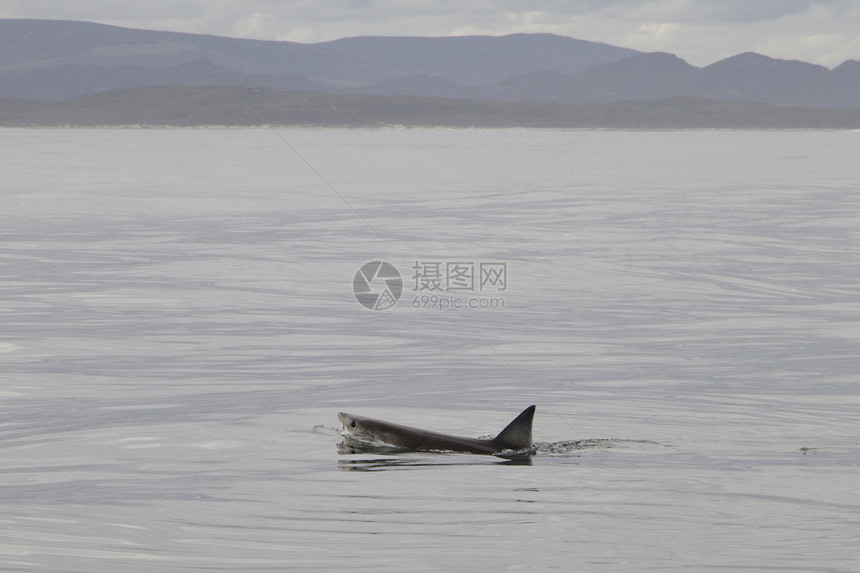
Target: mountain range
(54,61)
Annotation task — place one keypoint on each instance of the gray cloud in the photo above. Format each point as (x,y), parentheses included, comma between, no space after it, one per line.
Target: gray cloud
(745,11)
(700,31)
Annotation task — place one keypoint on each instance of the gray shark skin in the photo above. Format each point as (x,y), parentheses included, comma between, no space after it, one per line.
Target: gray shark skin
(515,438)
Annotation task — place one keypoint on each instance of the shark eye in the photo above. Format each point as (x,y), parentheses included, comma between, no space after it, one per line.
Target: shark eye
(352,423)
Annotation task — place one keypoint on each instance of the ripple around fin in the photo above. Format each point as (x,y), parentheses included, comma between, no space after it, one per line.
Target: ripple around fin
(576,446)
(516,454)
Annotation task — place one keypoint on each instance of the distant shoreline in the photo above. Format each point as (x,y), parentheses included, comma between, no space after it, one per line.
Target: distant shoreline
(253,107)
(120,127)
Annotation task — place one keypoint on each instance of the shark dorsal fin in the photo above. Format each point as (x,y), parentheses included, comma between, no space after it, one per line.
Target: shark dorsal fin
(518,434)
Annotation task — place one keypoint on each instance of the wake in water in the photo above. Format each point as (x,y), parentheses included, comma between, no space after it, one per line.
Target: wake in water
(573,447)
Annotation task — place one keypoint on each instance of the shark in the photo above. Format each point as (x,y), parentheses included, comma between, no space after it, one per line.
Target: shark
(515,439)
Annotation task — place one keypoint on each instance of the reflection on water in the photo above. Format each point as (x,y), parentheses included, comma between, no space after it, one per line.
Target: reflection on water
(400,457)
(357,461)
(354,453)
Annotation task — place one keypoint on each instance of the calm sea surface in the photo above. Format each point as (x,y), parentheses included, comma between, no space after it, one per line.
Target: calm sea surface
(178,330)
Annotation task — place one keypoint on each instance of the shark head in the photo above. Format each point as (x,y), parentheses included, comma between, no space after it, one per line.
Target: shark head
(362,428)
(349,423)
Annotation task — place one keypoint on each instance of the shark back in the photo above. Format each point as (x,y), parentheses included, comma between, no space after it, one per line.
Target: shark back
(517,436)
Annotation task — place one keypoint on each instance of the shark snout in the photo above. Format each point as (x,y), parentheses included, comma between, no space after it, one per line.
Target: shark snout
(346,420)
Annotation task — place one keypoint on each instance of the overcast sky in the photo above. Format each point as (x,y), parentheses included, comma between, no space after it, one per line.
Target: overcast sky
(825,32)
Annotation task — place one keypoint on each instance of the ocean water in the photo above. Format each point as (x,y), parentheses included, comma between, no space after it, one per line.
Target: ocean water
(179,328)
